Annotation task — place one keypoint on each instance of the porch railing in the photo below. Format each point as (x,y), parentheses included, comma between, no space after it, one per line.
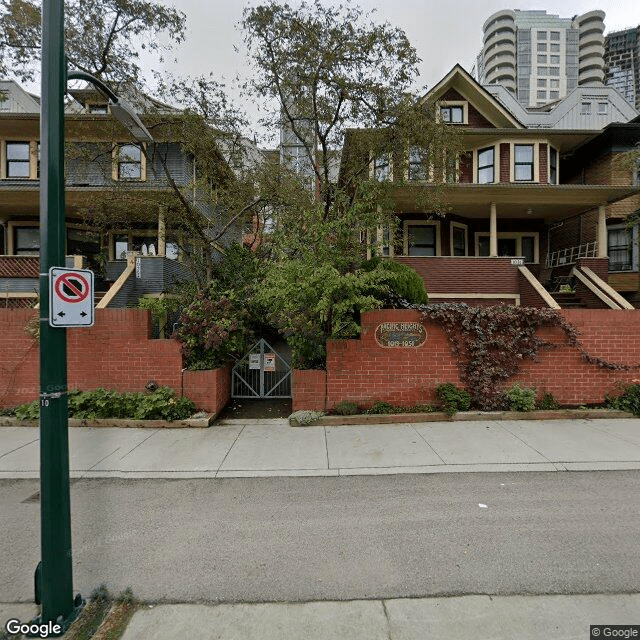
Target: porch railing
(571,255)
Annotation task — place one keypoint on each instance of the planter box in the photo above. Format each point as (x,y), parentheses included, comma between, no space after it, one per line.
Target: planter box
(120,423)
(439,416)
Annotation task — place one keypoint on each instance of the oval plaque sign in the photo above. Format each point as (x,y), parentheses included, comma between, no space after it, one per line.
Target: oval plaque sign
(400,334)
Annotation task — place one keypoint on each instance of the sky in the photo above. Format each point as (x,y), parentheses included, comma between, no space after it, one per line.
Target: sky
(444,32)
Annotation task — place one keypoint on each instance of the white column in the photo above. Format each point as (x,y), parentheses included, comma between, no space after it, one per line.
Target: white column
(493,232)
(601,232)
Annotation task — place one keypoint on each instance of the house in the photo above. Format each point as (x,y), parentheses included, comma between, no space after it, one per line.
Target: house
(505,198)
(125,204)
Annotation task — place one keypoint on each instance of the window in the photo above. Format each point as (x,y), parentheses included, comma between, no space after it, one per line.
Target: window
(27,241)
(514,245)
(554,95)
(523,162)
(417,164)
(421,240)
(453,114)
(542,71)
(554,84)
(602,108)
(542,58)
(98,108)
(620,248)
(542,82)
(553,166)
(542,35)
(458,239)
(554,47)
(554,71)
(129,162)
(555,35)
(527,248)
(542,95)
(18,160)
(381,167)
(542,46)
(554,59)
(585,109)
(486,165)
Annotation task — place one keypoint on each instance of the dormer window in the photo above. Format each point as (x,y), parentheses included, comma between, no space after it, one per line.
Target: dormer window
(129,163)
(101,109)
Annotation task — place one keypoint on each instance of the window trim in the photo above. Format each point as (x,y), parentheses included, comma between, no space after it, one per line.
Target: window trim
(634,246)
(33,160)
(458,225)
(115,157)
(476,163)
(512,235)
(420,223)
(454,103)
(536,164)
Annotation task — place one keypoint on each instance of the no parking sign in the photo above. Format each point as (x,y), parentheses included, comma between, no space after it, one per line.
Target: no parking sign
(70,297)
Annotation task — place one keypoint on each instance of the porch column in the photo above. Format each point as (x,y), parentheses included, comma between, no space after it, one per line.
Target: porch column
(162,231)
(493,232)
(601,232)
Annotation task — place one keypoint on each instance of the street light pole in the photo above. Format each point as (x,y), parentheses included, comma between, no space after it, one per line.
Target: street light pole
(54,587)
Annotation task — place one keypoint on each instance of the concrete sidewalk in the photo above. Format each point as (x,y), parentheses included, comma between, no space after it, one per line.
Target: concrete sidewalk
(260,448)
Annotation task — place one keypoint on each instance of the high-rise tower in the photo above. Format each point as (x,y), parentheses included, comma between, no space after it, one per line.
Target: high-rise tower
(541,57)
(622,63)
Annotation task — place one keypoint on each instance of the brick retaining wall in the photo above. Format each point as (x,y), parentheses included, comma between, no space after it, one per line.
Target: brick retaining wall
(364,372)
(116,353)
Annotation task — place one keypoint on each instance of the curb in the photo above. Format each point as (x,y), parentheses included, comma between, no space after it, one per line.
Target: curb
(463,416)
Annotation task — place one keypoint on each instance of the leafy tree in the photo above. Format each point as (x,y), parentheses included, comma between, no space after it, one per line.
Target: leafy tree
(102,37)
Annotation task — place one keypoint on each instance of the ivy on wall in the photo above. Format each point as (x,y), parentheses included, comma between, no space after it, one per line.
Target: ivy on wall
(490,343)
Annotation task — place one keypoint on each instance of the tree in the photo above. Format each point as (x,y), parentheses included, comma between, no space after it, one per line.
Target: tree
(335,75)
(102,37)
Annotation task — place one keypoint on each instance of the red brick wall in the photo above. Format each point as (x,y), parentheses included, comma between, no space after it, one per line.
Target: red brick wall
(505,162)
(309,389)
(210,390)
(600,266)
(466,167)
(529,297)
(542,164)
(465,275)
(115,353)
(364,372)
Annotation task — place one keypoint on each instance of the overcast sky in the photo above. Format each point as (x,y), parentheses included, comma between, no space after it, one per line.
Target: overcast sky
(444,32)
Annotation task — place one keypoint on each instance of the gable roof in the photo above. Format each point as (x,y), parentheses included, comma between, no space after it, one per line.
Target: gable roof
(486,104)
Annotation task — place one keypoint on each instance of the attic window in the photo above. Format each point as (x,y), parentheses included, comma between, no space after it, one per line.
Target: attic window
(98,108)
(453,114)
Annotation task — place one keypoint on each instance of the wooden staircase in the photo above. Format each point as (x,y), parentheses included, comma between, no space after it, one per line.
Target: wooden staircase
(568,300)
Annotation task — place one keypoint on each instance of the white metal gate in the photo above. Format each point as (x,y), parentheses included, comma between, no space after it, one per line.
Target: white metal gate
(261,373)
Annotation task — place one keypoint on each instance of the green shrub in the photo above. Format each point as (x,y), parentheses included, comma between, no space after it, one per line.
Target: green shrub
(30,411)
(346,408)
(381,408)
(628,401)
(520,398)
(161,404)
(452,398)
(405,282)
(548,402)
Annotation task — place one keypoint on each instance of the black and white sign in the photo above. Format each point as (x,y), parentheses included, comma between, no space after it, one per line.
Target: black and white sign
(70,297)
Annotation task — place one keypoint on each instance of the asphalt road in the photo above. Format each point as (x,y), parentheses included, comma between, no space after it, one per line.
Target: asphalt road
(297,539)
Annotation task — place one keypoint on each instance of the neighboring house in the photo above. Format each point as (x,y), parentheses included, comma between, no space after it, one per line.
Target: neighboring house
(506,196)
(102,167)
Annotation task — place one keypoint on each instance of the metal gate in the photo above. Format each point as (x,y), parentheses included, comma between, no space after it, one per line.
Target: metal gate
(261,373)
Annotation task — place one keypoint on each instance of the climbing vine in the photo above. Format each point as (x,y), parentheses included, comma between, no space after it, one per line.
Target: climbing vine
(490,343)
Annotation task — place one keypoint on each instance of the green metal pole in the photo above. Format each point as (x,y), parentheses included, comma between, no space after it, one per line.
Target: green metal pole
(54,578)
